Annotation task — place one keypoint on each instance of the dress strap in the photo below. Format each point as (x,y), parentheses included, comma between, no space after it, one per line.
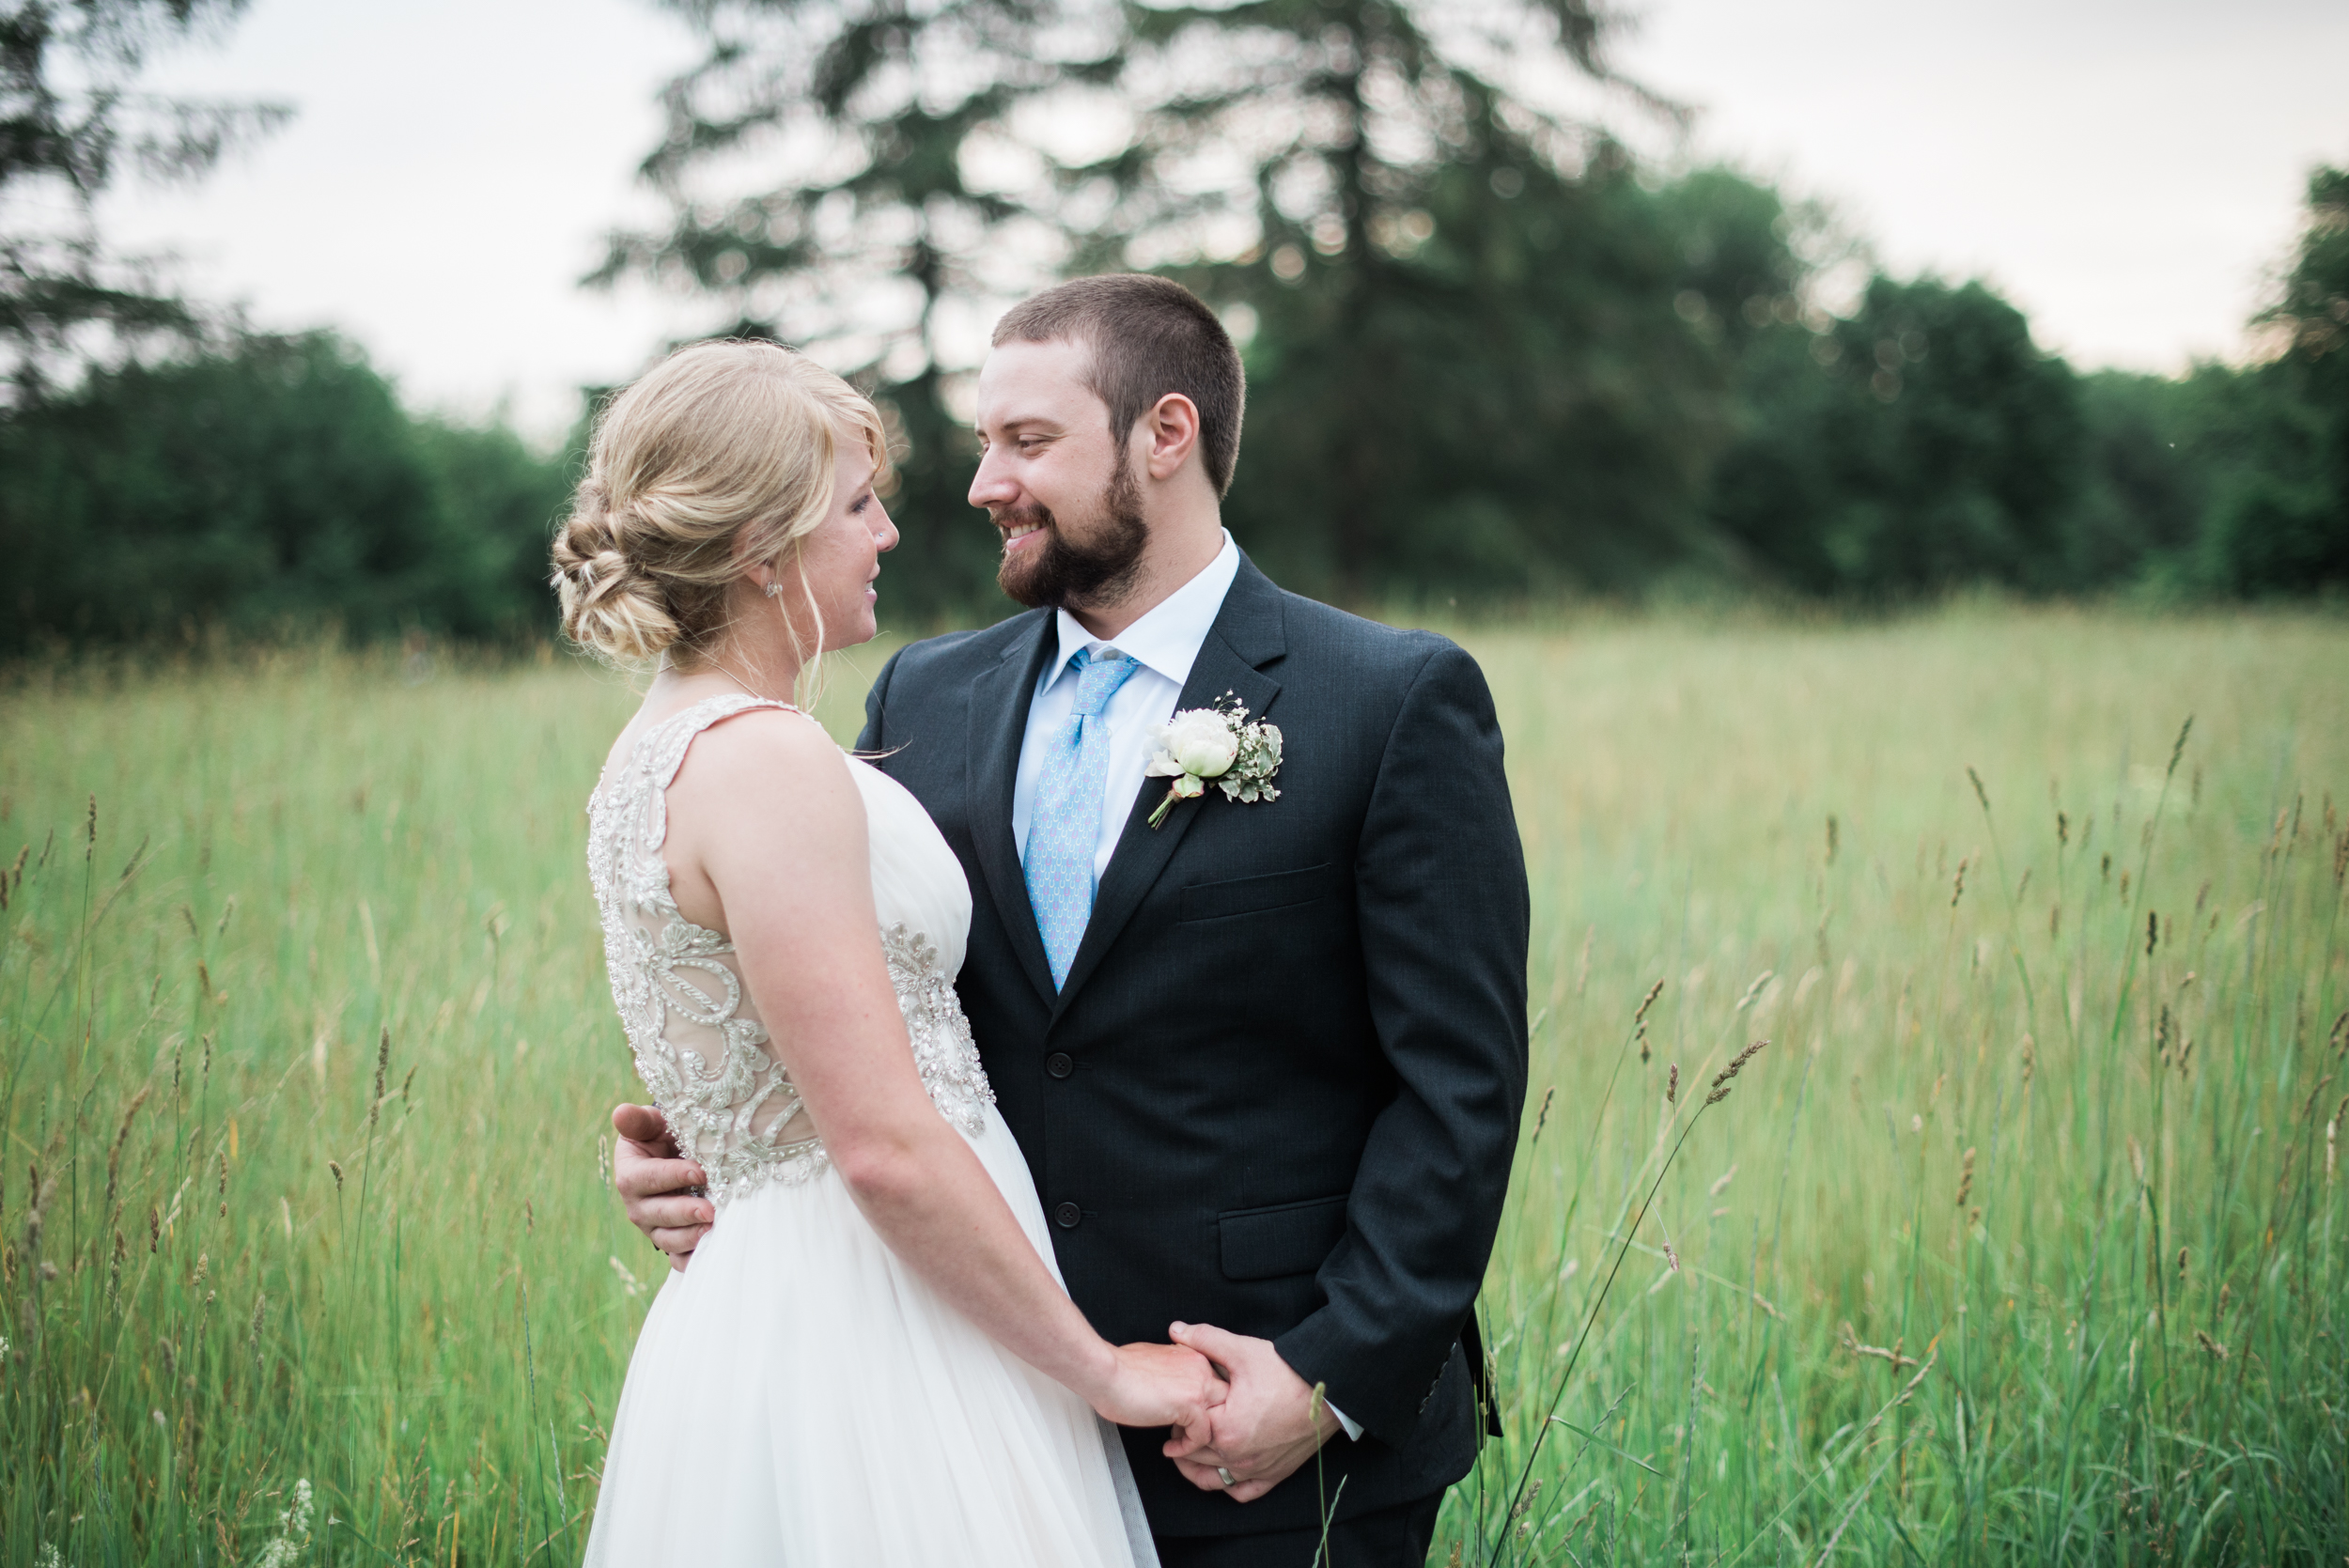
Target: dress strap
(660,751)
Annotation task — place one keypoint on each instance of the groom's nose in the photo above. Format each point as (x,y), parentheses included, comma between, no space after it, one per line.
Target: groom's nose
(992,486)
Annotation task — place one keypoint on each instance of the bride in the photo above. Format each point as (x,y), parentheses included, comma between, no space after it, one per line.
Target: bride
(872,1360)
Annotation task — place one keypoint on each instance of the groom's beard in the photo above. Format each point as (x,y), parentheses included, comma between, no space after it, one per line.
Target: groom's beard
(1057,572)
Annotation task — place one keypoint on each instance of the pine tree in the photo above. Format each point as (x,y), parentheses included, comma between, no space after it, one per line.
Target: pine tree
(62,295)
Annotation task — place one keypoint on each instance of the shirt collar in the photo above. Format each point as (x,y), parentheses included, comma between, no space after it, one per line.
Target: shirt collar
(1167,638)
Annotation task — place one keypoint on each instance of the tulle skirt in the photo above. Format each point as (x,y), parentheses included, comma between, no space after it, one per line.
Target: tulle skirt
(799,1398)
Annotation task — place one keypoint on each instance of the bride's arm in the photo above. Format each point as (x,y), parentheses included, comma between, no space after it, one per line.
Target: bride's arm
(767,844)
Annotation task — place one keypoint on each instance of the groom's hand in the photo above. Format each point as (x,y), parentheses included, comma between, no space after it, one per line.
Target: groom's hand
(662,1192)
(1268,1426)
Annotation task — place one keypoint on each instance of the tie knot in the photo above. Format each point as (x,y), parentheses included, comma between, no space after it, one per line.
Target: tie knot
(1099,676)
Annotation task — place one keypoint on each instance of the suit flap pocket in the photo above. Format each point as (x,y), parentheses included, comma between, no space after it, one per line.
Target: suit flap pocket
(1246,895)
(1286,1238)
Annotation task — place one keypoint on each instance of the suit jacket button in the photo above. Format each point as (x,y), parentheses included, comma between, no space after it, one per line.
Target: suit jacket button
(1067,1215)
(1060,1064)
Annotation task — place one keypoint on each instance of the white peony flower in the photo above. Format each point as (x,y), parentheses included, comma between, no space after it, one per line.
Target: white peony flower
(1199,742)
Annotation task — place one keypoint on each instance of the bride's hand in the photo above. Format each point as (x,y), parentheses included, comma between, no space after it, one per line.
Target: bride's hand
(1161,1385)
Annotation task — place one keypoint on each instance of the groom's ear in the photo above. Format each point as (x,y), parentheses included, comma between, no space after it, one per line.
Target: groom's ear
(1170,433)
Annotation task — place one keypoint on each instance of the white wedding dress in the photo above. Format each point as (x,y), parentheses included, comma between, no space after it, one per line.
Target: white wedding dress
(799,1397)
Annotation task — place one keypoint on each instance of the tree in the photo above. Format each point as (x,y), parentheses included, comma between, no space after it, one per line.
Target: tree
(1549,358)
(62,296)
(1922,443)
(835,176)
(274,482)
(2278,435)
(1449,285)
(930,144)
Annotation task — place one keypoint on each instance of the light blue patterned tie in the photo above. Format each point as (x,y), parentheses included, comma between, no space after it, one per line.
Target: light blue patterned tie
(1064,824)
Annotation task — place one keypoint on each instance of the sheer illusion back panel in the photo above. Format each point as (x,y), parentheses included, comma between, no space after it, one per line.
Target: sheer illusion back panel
(692,1027)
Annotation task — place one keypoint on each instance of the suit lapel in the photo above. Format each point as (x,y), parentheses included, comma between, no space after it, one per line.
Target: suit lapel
(1246,635)
(999,720)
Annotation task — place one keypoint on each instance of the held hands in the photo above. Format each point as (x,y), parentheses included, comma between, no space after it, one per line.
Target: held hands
(1266,1425)
(663,1193)
(1161,1385)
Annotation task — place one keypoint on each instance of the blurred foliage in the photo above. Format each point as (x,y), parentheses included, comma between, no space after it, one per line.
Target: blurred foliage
(851,224)
(1511,406)
(274,480)
(1487,355)
(70,127)
(2275,439)
(1921,442)
(1492,358)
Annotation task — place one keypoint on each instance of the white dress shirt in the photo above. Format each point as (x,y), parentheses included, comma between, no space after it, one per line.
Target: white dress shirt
(1165,642)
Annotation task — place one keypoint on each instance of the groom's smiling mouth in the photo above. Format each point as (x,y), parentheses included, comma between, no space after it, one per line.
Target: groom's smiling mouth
(1016,531)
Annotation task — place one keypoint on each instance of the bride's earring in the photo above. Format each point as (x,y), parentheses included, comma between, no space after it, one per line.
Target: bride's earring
(773,590)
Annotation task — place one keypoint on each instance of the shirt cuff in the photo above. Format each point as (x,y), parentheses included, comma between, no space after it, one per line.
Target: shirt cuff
(1353,1427)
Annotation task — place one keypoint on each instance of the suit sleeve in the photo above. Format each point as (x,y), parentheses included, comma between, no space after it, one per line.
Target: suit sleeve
(870,738)
(1443,916)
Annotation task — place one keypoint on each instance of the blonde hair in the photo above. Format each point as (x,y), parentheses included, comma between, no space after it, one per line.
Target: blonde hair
(717,459)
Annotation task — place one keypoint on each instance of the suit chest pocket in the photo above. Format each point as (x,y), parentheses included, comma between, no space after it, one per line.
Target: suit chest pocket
(1248,895)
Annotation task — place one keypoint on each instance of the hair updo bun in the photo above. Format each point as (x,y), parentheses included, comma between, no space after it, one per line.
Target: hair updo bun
(719,458)
(608,604)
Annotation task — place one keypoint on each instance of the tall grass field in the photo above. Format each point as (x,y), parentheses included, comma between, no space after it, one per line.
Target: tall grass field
(2020,1241)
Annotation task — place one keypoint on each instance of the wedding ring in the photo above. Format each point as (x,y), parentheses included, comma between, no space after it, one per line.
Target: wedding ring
(1225,1476)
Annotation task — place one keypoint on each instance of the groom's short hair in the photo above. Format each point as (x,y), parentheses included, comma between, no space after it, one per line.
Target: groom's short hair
(1149,337)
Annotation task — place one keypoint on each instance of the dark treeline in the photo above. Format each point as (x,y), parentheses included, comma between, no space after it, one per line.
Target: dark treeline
(1491,358)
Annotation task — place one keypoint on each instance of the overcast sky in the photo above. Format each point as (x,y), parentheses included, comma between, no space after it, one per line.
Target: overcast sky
(2127,171)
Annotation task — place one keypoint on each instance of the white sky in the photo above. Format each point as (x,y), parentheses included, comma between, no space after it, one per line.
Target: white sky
(2127,171)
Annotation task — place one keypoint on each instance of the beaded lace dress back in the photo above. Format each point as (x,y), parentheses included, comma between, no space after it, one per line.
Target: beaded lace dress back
(704,1055)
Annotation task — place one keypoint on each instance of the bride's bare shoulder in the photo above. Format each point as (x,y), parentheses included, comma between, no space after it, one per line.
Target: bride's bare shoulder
(752,759)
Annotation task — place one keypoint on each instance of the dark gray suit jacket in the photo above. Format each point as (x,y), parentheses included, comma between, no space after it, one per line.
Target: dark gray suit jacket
(1280,1091)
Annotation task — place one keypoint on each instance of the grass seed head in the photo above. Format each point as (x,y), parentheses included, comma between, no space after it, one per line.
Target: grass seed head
(1966,1179)
(1719,1089)
(335,1166)
(1672,1085)
(1542,1118)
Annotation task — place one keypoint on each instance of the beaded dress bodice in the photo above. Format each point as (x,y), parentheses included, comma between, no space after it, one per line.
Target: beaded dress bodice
(704,1055)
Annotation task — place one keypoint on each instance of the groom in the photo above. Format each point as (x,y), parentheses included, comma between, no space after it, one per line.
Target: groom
(1265,1059)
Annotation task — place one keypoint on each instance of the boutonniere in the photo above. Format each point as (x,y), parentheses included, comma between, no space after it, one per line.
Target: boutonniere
(1215,743)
